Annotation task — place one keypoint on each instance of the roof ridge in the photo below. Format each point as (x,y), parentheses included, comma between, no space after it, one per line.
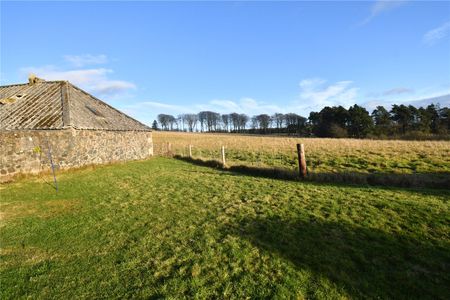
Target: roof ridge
(25,84)
(15,84)
(65,106)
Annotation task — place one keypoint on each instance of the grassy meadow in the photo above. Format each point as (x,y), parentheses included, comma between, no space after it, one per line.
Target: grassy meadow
(324,155)
(167,228)
(362,162)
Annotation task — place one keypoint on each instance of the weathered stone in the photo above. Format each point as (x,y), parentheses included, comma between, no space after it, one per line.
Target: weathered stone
(69,148)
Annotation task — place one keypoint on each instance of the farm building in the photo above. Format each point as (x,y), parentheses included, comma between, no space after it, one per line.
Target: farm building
(41,119)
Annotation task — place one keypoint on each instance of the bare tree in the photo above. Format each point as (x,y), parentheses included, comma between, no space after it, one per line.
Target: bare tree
(202,117)
(181,121)
(278,119)
(226,122)
(294,123)
(254,123)
(213,121)
(172,121)
(165,121)
(263,122)
(234,118)
(209,120)
(191,121)
(242,121)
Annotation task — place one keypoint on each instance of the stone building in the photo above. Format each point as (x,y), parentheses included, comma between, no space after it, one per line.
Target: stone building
(41,119)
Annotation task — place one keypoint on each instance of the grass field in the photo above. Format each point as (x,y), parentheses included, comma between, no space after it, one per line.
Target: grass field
(167,228)
(323,155)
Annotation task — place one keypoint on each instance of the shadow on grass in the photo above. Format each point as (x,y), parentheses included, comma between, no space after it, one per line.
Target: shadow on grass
(366,263)
(423,180)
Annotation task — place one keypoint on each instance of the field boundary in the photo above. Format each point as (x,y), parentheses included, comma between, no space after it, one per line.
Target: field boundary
(430,180)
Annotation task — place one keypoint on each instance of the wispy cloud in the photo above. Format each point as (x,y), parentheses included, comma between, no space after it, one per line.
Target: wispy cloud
(147,111)
(96,81)
(160,107)
(382,6)
(433,36)
(315,94)
(440,98)
(227,105)
(86,59)
(244,105)
(421,97)
(397,91)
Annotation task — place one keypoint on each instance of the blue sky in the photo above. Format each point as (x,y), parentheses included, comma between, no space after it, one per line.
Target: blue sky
(147,58)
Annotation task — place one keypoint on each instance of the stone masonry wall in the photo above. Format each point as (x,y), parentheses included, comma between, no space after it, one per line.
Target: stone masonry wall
(26,151)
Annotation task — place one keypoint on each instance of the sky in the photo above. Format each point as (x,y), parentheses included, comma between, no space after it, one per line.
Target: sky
(147,58)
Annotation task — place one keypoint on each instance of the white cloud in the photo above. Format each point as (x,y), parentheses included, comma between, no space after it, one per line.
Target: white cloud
(422,97)
(244,105)
(442,99)
(433,36)
(382,6)
(161,107)
(96,81)
(147,111)
(316,94)
(86,59)
(227,105)
(397,91)
(112,86)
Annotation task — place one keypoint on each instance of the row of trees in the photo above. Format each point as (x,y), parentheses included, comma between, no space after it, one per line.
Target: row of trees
(203,121)
(335,121)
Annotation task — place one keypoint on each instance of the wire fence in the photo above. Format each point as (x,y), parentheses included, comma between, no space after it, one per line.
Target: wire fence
(354,167)
(322,155)
(252,156)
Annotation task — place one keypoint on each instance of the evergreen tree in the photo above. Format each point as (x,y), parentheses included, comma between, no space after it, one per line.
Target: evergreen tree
(155,125)
(402,115)
(359,121)
(382,120)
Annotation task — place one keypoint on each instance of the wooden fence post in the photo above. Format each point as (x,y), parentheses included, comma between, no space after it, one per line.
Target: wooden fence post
(169,149)
(223,156)
(301,160)
(190,151)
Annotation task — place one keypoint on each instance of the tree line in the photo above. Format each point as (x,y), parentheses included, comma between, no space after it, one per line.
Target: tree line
(335,121)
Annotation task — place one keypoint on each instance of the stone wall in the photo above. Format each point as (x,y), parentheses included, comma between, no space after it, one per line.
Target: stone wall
(26,151)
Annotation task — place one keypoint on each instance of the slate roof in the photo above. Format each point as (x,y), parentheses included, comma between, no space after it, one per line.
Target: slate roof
(58,105)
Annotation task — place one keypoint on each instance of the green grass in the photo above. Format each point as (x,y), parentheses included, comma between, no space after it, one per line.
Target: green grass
(329,163)
(167,228)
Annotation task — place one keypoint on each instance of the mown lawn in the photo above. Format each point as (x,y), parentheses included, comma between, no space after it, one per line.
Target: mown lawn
(166,228)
